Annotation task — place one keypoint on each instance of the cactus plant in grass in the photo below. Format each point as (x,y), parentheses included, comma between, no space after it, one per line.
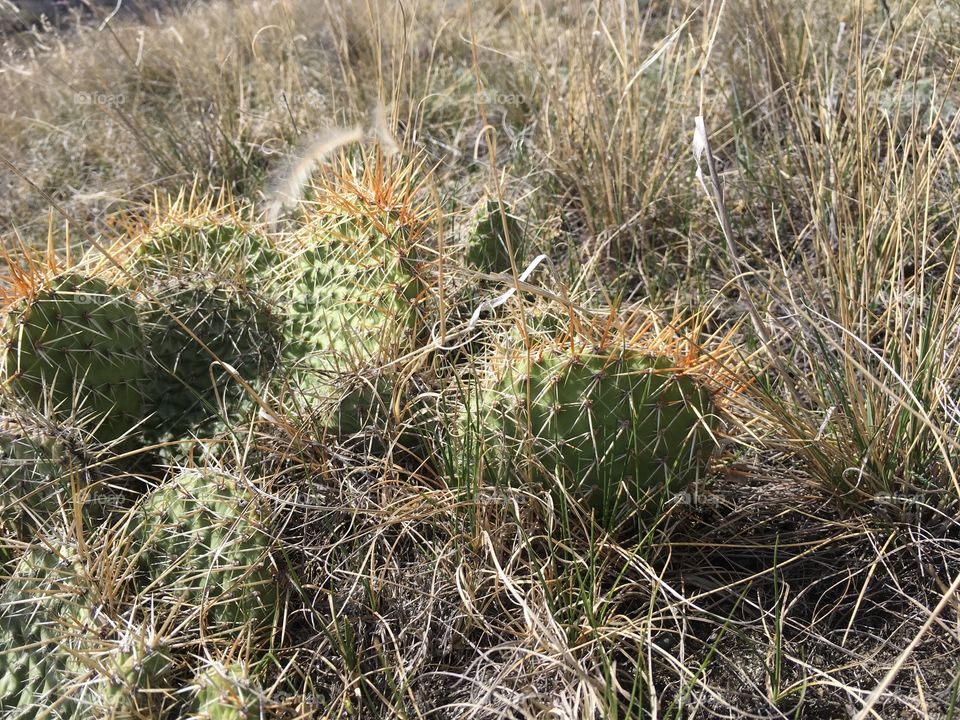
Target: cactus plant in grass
(225,692)
(492,244)
(189,390)
(202,548)
(354,298)
(74,348)
(39,465)
(356,277)
(616,427)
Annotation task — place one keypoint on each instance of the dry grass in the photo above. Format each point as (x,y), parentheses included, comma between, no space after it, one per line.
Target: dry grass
(818,563)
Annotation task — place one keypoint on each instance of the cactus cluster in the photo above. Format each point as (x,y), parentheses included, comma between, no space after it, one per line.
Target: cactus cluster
(198,551)
(59,652)
(338,314)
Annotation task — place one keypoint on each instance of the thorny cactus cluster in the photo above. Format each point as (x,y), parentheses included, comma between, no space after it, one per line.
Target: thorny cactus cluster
(203,326)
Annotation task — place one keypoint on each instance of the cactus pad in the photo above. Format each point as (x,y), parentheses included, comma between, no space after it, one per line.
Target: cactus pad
(37,469)
(488,249)
(131,679)
(43,610)
(75,349)
(225,693)
(617,430)
(181,247)
(354,297)
(203,549)
(188,389)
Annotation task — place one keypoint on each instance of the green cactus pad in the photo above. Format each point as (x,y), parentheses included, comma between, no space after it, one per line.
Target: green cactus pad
(618,431)
(131,679)
(75,349)
(363,404)
(225,693)
(37,470)
(353,300)
(189,391)
(203,549)
(487,244)
(229,248)
(380,411)
(43,612)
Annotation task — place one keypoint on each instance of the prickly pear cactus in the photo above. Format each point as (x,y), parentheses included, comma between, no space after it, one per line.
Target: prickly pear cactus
(189,389)
(488,249)
(224,692)
(57,654)
(354,298)
(75,349)
(203,548)
(618,430)
(43,611)
(128,679)
(38,470)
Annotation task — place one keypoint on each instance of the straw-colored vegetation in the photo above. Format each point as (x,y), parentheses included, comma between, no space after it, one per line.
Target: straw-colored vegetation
(485,359)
